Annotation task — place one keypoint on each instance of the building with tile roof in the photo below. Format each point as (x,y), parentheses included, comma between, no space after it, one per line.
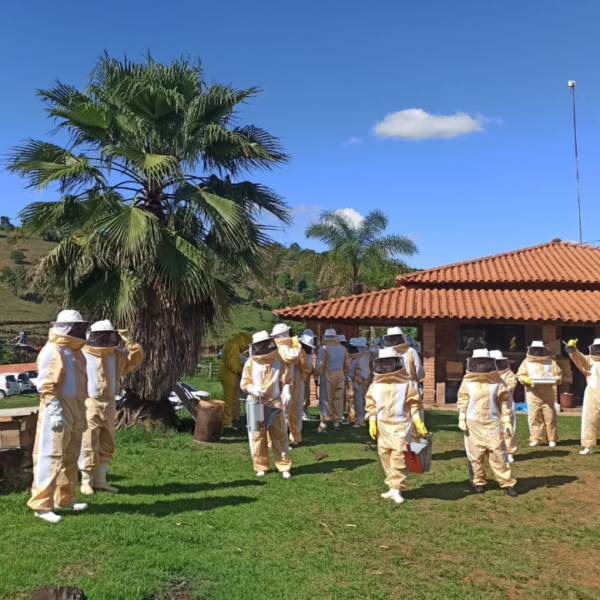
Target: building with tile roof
(504,301)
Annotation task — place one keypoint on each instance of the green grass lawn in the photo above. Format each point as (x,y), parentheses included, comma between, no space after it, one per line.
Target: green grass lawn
(192,521)
(20,401)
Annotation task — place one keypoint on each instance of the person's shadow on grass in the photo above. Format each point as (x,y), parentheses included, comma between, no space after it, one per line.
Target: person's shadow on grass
(180,487)
(322,467)
(541,454)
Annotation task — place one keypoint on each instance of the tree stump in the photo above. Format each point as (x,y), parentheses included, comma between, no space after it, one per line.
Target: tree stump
(209,421)
(53,592)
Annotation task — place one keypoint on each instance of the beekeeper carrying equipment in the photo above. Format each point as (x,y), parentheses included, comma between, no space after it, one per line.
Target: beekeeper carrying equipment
(540,375)
(392,409)
(106,364)
(61,419)
(307,342)
(268,379)
(333,364)
(359,376)
(230,371)
(590,413)
(510,381)
(485,417)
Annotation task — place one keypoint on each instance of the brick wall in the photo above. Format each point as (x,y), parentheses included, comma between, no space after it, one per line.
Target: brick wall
(429,347)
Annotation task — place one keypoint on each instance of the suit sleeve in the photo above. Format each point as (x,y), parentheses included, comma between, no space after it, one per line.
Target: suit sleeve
(130,359)
(346,362)
(418,365)
(321,364)
(286,375)
(352,370)
(582,362)
(413,401)
(371,404)
(556,372)
(503,400)
(522,372)
(50,373)
(463,398)
(305,366)
(511,381)
(231,357)
(246,375)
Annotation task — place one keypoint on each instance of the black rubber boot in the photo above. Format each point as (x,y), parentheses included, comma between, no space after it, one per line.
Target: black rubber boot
(479,489)
(511,492)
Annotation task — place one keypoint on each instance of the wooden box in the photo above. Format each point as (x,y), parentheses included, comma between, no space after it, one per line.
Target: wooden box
(17,431)
(454,370)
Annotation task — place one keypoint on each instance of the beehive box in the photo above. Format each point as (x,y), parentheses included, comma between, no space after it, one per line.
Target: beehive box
(17,431)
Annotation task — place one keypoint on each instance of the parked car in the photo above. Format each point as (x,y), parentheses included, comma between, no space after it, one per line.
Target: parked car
(33,375)
(9,386)
(26,386)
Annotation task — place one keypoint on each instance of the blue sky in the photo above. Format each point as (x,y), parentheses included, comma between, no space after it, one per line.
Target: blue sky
(332,71)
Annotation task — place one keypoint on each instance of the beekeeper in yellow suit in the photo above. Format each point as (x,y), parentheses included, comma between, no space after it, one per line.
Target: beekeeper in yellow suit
(62,384)
(590,414)
(395,338)
(541,397)
(307,339)
(268,379)
(294,356)
(485,417)
(392,409)
(230,370)
(510,381)
(332,366)
(359,375)
(106,364)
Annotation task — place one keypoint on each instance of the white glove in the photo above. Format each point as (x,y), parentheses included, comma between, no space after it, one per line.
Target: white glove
(286,395)
(57,420)
(462,421)
(254,391)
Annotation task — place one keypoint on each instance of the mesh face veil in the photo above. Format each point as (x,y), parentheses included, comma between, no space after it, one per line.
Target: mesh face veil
(307,349)
(103,339)
(481,365)
(383,366)
(75,330)
(502,365)
(393,340)
(595,349)
(538,351)
(263,347)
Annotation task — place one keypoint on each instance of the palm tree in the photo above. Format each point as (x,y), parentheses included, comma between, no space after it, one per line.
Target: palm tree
(359,253)
(153,212)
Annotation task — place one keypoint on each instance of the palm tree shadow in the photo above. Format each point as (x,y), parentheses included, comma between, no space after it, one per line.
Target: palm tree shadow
(319,468)
(448,455)
(186,488)
(165,508)
(542,454)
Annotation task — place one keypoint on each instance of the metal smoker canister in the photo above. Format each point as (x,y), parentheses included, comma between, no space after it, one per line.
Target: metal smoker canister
(418,455)
(260,416)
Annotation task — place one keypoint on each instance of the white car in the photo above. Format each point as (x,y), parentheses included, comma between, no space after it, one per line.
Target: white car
(26,386)
(9,386)
(33,375)
(199,395)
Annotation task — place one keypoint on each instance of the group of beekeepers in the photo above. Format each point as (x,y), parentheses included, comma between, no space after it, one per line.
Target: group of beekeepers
(78,372)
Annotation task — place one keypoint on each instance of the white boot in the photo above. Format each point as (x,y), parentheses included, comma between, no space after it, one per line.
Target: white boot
(48,515)
(76,506)
(397,496)
(511,459)
(87,477)
(387,495)
(286,475)
(586,451)
(99,480)
(533,444)
(260,473)
(552,444)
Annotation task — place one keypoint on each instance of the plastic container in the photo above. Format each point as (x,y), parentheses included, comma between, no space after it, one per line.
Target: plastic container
(566,400)
(209,421)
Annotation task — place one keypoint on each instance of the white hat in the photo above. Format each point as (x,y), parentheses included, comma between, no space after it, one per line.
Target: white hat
(341,337)
(102,326)
(481,353)
(307,340)
(352,341)
(361,341)
(279,329)
(394,331)
(260,336)
(596,342)
(308,332)
(537,345)
(68,316)
(497,354)
(329,333)
(388,353)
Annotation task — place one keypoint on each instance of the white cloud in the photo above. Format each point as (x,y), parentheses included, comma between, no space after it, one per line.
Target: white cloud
(416,124)
(352,141)
(312,211)
(352,215)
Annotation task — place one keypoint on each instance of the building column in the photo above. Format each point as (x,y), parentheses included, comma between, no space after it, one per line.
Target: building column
(429,363)
(550,338)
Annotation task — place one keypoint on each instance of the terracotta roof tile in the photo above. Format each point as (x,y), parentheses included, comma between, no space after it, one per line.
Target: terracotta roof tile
(20,368)
(551,262)
(411,303)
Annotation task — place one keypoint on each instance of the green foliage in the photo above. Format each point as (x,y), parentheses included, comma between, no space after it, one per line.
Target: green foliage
(5,223)
(359,255)
(7,355)
(155,219)
(15,278)
(17,256)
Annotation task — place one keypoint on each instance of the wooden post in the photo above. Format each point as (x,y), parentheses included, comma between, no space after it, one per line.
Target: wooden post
(429,364)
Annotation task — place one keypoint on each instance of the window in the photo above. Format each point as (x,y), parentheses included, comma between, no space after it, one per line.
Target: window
(508,338)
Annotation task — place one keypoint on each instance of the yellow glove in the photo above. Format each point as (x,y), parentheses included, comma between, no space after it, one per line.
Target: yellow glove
(526,380)
(507,426)
(421,429)
(462,421)
(295,342)
(125,335)
(373,428)
(572,342)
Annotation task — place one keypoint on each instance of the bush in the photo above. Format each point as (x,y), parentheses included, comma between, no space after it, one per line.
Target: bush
(17,256)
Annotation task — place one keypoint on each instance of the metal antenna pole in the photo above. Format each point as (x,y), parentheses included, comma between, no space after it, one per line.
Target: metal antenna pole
(572,87)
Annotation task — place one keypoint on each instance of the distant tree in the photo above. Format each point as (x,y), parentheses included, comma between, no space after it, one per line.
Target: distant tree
(17,256)
(284,281)
(359,254)
(7,355)
(5,223)
(15,278)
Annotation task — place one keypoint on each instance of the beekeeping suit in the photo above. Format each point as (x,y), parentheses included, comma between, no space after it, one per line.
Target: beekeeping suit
(306,334)
(392,409)
(230,370)
(333,364)
(590,368)
(307,342)
(268,379)
(359,376)
(541,397)
(510,381)
(62,384)
(485,416)
(106,364)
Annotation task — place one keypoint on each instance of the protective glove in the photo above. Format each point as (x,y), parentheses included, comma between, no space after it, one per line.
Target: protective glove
(125,335)
(373,428)
(462,421)
(526,380)
(508,429)
(286,396)
(571,346)
(421,429)
(57,419)
(254,391)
